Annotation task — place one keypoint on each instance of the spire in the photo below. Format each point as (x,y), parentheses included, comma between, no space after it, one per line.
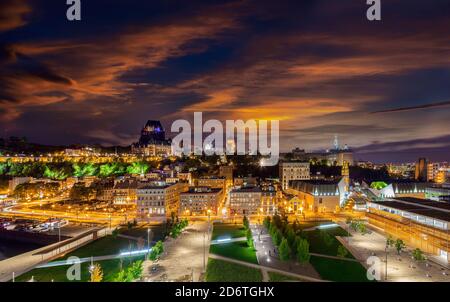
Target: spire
(336,142)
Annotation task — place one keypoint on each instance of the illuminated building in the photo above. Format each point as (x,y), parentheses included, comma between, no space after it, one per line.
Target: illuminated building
(152,141)
(245,181)
(159,199)
(269,201)
(125,192)
(245,201)
(438,192)
(200,200)
(227,173)
(421,170)
(212,182)
(320,195)
(420,223)
(399,189)
(437,172)
(13,183)
(334,156)
(293,171)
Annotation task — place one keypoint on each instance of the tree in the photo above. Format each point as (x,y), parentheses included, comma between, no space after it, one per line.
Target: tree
(136,270)
(399,245)
(303,255)
(96,273)
(342,251)
(290,236)
(362,228)
(277,237)
(390,241)
(245,222)
(115,233)
(157,250)
(326,238)
(249,236)
(121,276)
(267,222)
(284,249)
(418,255)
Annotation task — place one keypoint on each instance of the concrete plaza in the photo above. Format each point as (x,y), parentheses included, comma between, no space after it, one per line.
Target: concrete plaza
(400,268)
(184,258)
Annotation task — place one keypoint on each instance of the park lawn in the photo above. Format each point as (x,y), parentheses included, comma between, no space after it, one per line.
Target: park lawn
(276,277)
(227,230)
(104,246)
(310,224)
(157,232)
(223,271)
(59,273)
(318,245)
(236,250)
(339,270)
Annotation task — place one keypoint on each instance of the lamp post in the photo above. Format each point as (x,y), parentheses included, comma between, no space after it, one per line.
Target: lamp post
(386,265)
(204,252)
(148,242)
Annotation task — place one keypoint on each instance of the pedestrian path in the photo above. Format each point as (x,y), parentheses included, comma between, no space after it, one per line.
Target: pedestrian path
(266,268)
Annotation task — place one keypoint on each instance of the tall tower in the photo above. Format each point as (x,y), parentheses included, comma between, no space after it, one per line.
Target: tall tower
(336,142)
(345,172)
(421,169)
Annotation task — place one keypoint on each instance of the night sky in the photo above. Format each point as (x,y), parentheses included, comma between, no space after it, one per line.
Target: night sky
(320,67)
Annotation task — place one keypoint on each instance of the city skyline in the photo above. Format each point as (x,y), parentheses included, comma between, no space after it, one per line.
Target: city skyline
(320,68)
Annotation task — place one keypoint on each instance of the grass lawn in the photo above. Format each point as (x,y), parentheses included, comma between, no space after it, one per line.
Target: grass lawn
(59,273)
(318,244)
(227,230)
(157,232)
(104,246)
(222,271)
(310,224)
(339,270)
(101,247)
(236,250)
(275,277)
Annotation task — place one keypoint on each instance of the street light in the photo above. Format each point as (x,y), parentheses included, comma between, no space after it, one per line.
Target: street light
(148,241)
(204,252)
(386,266)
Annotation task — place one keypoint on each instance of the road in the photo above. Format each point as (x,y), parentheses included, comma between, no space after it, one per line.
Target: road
(28,210)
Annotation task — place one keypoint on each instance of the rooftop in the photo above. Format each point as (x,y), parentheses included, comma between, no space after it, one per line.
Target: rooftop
(202,190)
(247,190)
(425,203)
(416,209)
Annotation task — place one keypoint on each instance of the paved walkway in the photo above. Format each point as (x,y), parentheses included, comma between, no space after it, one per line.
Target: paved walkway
(334,257)
(224,241)
(399,267)
(266,268)
(22,263)
(184,258)
(267,255)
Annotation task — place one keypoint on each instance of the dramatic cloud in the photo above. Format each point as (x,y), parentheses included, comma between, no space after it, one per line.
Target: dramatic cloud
(317,66)
(13,13)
